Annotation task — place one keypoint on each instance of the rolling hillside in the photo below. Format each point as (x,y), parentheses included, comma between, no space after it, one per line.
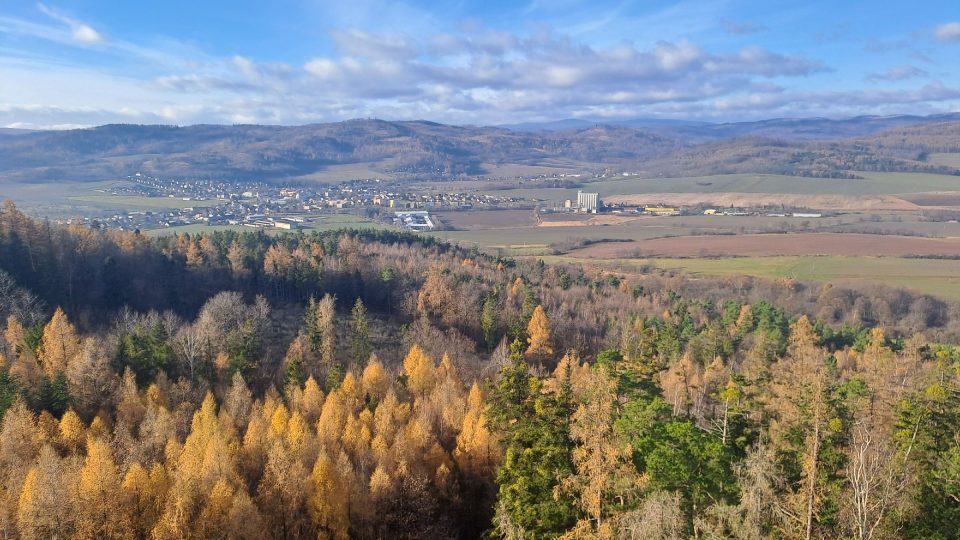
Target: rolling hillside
(420,149)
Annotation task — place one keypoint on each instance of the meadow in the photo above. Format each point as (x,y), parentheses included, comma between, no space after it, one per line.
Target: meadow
(329,222)
(133,202)
(935,277)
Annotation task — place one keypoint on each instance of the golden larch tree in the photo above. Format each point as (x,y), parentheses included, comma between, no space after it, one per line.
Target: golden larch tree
(59,344)
(374,382)
(329,502)
(477,452)
(72,431)
(538,335)
(44,509)
(419,370)
(102,514)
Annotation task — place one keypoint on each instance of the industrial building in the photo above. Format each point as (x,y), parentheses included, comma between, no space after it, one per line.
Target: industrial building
(588,202)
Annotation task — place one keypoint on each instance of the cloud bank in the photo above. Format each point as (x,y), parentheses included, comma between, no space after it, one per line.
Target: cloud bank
(476,75)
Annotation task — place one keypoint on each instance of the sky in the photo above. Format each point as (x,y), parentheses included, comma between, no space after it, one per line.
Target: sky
(66,64)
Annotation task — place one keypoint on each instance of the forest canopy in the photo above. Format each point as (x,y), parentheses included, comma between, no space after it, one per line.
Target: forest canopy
(380,384)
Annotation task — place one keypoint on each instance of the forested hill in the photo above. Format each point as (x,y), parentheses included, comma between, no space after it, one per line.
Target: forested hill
(774,128)
(371,385)
(419,149)
(406,148)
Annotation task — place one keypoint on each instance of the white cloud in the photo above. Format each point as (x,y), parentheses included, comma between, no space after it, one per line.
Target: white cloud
(948,32)
(81,33)
(475,75)
(85,34)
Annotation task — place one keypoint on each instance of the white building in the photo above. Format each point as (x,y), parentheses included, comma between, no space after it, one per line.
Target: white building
(588,202)
(416,221)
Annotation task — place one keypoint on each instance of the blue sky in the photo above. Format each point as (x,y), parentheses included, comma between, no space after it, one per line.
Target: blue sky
(86,62)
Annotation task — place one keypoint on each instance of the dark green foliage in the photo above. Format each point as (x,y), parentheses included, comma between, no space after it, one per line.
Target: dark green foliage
(314,334)
(53,395)
(676,455)
(360,329)
(145,351)
(488,320)
(32,337)
(9,390)
(535,434)
(928,431)
(334,376)
(564,279)
(243,348)
(295,375)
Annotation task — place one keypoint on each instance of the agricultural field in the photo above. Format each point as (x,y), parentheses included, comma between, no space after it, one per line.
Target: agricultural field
(140,203)
(946,159)
(533,240)
(872,184)
(517,229)
(69,199)
(487,219)
(939,278)
(769,245)
(57,198)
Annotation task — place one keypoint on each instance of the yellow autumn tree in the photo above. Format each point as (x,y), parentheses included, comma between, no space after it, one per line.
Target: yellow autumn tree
(381,485)
(59,344)
(282,494)
(420,371)
(298,437)
(328,499)
(102,514)
(333,416)
(14,335)
(44,509)
(312,401)
(72,431)
(207,455)
(142,495)
(477,452)
(605,480)
(538,335)
(374,382)
(213,518)
(278,422)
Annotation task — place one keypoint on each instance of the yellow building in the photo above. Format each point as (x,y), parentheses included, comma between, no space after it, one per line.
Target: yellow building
(660,210)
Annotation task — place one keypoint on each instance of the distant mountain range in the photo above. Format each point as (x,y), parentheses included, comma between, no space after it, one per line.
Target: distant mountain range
(781,128)
(13,132)
(421,149)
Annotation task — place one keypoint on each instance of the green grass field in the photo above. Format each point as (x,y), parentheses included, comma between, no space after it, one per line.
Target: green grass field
(135,203)
(342,221)
(935,277)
